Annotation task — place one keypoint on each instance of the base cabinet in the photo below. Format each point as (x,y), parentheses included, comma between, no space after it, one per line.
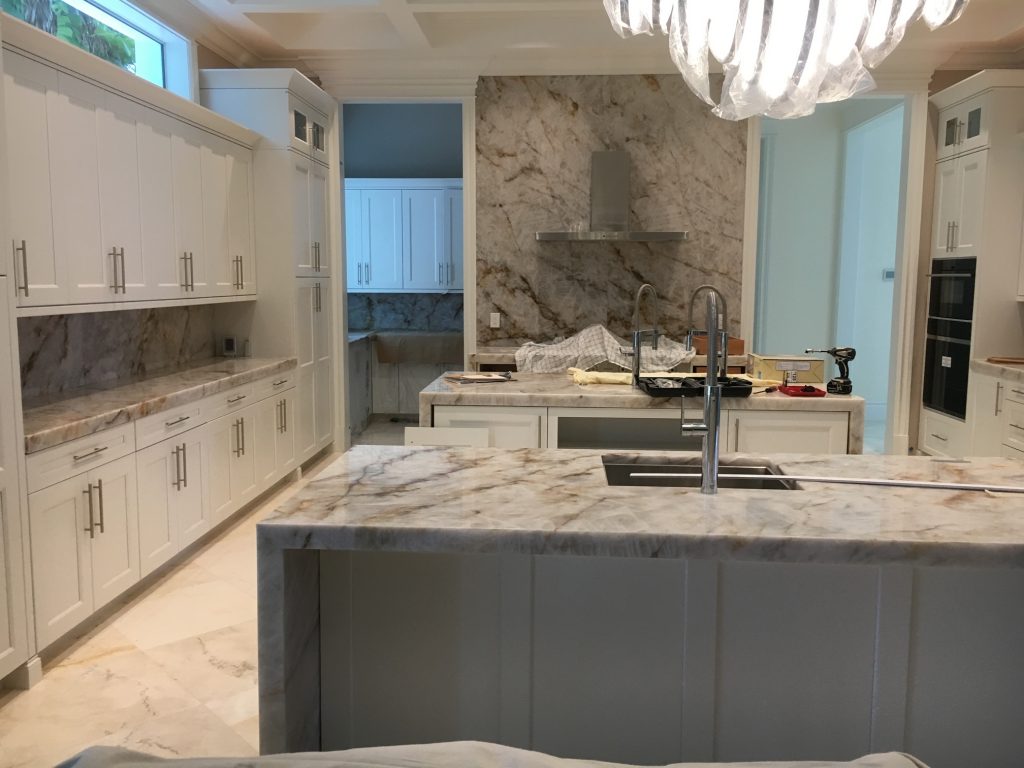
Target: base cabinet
(314,408)
(788,432)
(511,427)
(85,547)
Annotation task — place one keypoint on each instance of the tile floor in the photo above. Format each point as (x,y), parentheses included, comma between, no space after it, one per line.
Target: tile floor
(172,672)
(385,430)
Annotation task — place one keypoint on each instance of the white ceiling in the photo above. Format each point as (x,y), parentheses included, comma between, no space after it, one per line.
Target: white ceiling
(363,45)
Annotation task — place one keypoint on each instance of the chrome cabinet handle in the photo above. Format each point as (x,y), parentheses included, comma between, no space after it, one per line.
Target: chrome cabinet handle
(184,465)
(184,271)
(369,273)
(242,444)
(113,255)
(439,273)
(277,416)
(177,468)
(316,297)
(956,235)
(1016,426)
(999,390)
(359,274)
(124,274)
(91,530)
(949,230)
(238,438)
(284,415)
(236,399)
(191,271)
(179,420)
(940,437)
(91,453)
(99,489)
(960,131)
(1017,392)
(23,249)
(279,383)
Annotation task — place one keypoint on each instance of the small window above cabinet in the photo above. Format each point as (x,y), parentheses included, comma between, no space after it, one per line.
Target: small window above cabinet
(964,127)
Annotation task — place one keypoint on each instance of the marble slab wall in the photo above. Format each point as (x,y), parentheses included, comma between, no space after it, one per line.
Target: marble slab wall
(405,312)
(535,136)
(61,353)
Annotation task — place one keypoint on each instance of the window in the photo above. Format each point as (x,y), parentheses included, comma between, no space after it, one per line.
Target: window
(115,31)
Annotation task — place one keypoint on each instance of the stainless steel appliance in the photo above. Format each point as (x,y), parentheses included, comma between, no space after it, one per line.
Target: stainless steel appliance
(948,337)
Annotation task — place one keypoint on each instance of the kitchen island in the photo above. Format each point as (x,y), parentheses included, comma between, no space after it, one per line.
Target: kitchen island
(423,594)
(549,410)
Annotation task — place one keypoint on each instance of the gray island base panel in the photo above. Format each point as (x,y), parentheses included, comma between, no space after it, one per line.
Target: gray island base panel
(412,595)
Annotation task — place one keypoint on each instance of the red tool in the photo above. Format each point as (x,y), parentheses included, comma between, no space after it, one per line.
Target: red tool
(801,390)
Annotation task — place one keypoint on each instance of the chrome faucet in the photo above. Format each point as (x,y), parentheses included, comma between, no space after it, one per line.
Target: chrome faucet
(725,325)
(710,427)
(638,334)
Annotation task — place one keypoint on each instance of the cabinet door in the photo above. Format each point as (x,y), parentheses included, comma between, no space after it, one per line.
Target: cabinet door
(509,427)
(425,241)
(75,157)
(455,240)
(382,238)
(222,271)
(986,414)
(964,127)
(191,509)
(787,432)
(159,468)
(190,238)
(967,234)
(165,266)
(40,271)
(323,388)
(61,568)
(117,127)
(239,185)
(946,208)
(318,219)
(115,549)
(302,246)
(285,434)
(243,459)
(265,420)
(305,410)
(218,447)
(354,256)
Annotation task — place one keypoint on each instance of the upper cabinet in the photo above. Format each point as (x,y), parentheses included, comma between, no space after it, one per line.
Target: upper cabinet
(112,201)
(963,127)
(404,235)
(959,198)
(309,203)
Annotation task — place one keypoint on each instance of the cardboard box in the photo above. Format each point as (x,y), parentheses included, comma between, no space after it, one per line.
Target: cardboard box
(809,370)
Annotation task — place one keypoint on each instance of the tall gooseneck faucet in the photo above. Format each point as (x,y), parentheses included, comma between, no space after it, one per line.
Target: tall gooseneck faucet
(710,427)
(638,334)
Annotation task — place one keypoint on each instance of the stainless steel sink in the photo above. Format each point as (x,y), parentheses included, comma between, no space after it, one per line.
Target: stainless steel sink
(749,474)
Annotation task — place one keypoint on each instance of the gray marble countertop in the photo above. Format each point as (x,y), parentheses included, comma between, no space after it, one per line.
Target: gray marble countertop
(452,500)
(1012,372)
(85,412)
(559,390)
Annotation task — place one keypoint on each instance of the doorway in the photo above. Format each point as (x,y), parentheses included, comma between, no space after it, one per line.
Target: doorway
(831,202)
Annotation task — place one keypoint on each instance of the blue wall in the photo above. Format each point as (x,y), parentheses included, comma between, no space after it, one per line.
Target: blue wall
(403,141)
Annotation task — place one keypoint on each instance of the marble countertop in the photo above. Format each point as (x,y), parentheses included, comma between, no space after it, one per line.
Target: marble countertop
(453,500)
(506,355)
(555,390)
(1012,372)
(88,411)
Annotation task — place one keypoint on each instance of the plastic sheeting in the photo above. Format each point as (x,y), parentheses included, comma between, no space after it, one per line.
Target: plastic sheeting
(595,346)
(779,59)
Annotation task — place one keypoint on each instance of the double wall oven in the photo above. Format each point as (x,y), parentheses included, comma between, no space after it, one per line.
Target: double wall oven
(948,337)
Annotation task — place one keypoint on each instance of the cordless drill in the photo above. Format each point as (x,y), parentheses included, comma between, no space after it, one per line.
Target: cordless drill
(842,355)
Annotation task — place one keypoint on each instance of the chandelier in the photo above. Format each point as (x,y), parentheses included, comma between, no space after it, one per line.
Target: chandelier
(779,57)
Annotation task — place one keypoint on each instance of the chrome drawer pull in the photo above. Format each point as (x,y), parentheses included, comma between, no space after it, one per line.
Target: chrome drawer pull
(91,453)
(233,400)
(940,437)
(1017,392)
(184,465)
(177,421)
(99,488)
(279,383)
(1016,426)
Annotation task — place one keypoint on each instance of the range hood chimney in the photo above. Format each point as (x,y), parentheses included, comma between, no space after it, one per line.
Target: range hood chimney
(609,206)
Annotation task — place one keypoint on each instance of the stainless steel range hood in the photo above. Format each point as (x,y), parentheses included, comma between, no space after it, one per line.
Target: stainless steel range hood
(609,206)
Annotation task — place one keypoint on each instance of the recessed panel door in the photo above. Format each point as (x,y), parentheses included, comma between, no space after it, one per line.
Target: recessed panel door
(167,269)
(115,548)
(120,190)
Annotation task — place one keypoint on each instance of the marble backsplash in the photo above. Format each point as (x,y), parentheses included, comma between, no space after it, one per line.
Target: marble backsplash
(535,136)
(405,312)
(61,353)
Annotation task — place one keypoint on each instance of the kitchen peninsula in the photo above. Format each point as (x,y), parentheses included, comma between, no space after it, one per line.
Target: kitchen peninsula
(411,595)
(549,410)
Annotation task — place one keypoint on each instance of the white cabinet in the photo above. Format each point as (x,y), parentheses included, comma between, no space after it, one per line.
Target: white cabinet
(173,508)
(217,458)
(942,435)
(190,237)
(167,267)
(266,419)
(986,414)
(508,427)
(85,547)
(119,193)
(318,197)
(959,200)
(314,417)
(788,431)
(309,217)
(404,235)
(243,458)
(425,239)
(227,224)
(964,127)
(239,213)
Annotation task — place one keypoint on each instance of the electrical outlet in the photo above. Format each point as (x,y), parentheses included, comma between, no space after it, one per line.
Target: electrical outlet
(495,319)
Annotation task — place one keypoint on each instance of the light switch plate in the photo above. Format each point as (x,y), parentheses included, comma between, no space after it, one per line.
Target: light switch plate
(495,319)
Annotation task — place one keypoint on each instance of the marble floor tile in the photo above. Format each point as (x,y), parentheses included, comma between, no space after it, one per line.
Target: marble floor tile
(192,732)
(250,731)
(383,431)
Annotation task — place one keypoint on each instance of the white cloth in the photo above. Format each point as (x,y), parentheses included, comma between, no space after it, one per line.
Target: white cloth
(459,754)
(596,345)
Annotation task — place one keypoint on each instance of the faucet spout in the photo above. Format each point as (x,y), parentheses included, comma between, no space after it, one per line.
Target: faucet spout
(638,333)
(710,427)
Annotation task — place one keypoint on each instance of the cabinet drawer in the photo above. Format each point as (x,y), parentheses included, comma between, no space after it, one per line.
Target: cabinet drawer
(1013,392)
(1011,453)
(160,426)
(1013,428)
(272,385)
(943,436)
(227,402)
(69,459)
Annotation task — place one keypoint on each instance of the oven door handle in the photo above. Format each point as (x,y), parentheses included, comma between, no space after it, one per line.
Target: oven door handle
(949,274)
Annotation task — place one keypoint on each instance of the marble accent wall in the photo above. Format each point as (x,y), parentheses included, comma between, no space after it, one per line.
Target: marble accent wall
(534,140)
(405,312)
(60,353)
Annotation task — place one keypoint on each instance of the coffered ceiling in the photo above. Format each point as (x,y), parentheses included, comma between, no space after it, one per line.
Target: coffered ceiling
(367,46)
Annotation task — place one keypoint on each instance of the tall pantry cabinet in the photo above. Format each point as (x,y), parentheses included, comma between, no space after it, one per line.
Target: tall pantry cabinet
(295,248)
